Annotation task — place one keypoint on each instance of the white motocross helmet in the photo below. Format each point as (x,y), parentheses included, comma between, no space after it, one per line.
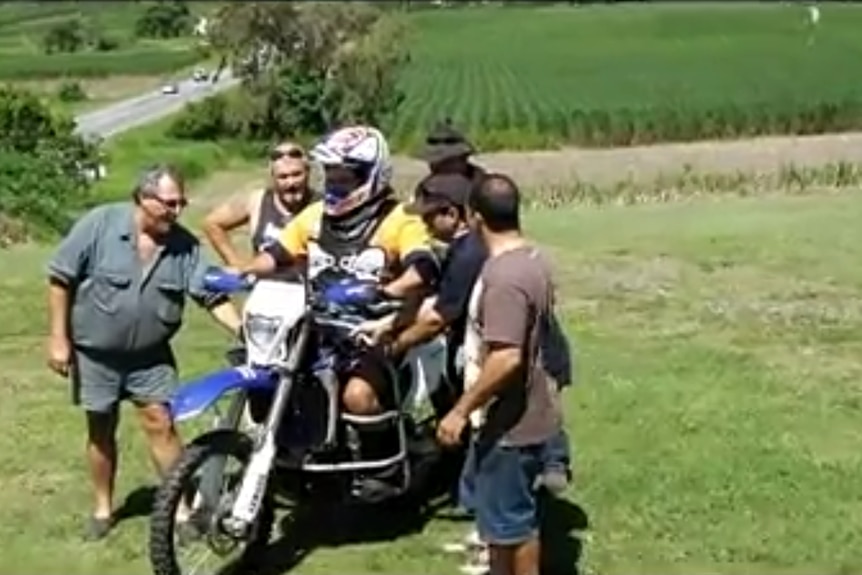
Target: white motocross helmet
(364,151)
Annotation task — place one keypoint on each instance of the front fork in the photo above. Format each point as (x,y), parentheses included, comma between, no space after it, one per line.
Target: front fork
(256,476)
(212,473)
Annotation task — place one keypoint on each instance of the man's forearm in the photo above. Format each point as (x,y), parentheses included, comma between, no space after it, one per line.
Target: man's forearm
(426,327)
(58,308)
(405,284)
(495,374)
(222,244)
(227,315)
(263,263)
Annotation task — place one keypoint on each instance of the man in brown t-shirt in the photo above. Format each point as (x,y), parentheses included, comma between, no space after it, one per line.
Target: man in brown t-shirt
(514,387)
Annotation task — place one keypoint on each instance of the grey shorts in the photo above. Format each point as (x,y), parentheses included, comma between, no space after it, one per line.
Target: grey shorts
(101,380)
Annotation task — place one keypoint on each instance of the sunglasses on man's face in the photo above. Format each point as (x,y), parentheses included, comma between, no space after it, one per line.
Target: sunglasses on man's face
(292,153)
(173,204)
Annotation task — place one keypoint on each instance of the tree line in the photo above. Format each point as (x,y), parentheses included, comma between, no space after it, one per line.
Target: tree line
(305,67)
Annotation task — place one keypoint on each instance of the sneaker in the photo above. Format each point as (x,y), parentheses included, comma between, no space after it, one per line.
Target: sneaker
(474,540)
(454,547)
(470,543)
(474,569)
(478,564)
(97,528)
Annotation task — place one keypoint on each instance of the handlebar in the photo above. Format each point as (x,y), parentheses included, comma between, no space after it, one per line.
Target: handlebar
(345,304)
(345,327)
(227,282)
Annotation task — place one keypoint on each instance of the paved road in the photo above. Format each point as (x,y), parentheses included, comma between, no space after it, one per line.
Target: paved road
(146,108)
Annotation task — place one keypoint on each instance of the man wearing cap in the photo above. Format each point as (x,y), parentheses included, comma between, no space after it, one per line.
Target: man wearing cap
(447,151)
(441,200)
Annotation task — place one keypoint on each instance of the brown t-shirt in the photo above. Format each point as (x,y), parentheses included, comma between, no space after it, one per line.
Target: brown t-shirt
(517,300)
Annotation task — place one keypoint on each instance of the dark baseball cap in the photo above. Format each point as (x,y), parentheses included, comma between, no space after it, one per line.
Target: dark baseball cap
(439,190)
(444,142)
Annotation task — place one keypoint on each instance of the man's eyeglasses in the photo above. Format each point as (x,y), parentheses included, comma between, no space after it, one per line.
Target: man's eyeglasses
(292,153)
(177,204)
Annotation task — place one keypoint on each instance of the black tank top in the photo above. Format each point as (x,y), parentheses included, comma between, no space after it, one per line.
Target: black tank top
(270,221)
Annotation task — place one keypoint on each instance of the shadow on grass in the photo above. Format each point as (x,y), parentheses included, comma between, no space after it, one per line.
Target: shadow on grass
(138,503)
(562,547)
(314,527)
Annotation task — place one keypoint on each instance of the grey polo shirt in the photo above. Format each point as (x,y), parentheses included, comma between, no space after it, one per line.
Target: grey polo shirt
(119,303)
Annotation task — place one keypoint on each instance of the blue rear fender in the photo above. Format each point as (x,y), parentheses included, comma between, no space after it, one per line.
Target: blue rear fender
(194,397)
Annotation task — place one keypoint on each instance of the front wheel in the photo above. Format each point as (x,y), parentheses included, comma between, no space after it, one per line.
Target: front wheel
(205,462)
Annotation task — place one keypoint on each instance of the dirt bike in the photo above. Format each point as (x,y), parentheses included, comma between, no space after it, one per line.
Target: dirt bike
(296,340)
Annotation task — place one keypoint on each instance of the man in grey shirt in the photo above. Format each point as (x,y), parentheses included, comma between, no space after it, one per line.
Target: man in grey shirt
(117,289)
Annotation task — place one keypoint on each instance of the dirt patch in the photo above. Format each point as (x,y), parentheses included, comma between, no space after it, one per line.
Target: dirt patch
(554,168)
(11,232)
(223,185)
(646,163)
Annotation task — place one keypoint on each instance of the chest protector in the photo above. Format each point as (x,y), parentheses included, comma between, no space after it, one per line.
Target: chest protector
(334,255)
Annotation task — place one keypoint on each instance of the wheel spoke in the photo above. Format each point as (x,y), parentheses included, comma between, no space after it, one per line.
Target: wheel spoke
(205,479)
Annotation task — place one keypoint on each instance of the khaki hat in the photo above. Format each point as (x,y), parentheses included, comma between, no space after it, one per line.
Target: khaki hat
(444,142)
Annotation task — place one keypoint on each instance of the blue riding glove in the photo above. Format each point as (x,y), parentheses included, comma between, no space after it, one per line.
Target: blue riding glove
(351,292)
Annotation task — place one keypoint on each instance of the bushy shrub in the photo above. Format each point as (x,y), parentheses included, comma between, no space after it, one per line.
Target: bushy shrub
(204,120)
(76,35)
(68,36)
(164,20)
(42,163)
(71,91)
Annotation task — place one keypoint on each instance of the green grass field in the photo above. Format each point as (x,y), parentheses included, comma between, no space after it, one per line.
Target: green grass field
(718,340)
(715,426)
(600,75)
(22,27)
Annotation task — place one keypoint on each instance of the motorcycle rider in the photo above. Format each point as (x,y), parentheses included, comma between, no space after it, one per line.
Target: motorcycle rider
(358,230)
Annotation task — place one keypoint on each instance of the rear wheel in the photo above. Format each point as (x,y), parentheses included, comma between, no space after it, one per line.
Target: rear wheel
(206,462)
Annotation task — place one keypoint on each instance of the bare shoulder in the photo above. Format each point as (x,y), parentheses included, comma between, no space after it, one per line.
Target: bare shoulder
(251,200)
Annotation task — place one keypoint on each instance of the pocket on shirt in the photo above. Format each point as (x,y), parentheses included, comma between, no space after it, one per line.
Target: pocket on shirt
(171,303)
(107,289)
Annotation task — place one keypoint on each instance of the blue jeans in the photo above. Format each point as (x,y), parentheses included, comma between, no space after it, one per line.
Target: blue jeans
(505,500)
(555,456)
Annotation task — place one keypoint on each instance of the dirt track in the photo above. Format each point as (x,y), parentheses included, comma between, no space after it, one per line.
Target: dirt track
(647,162)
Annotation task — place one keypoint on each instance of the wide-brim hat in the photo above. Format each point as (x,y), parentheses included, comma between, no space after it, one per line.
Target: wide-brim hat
(444,142)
